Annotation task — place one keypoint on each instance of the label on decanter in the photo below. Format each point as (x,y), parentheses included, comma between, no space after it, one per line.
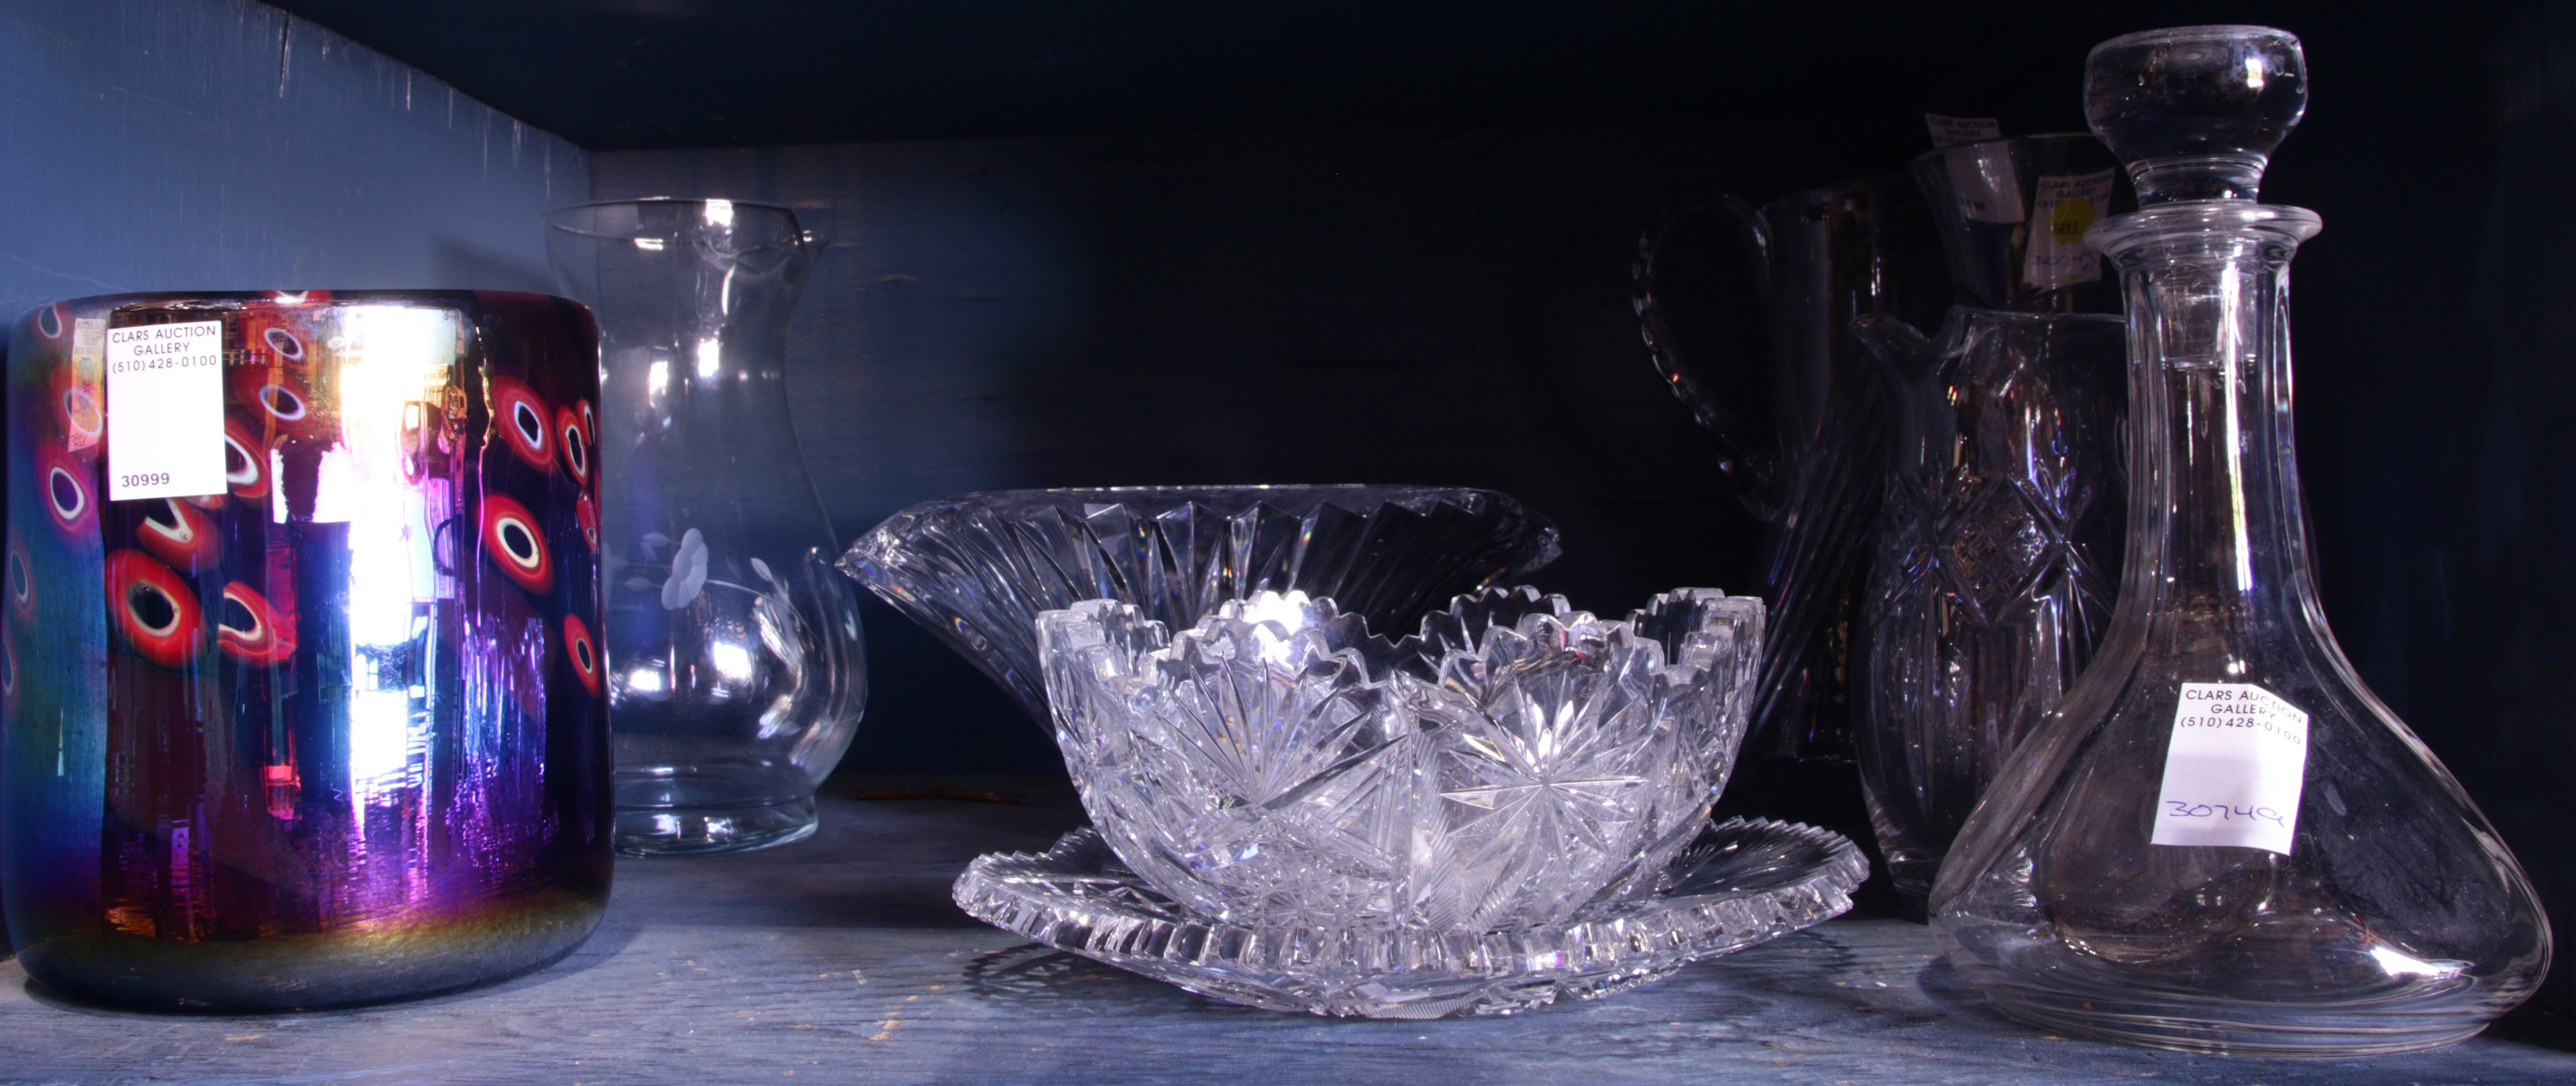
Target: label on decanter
(2233,771)
(1953,131)
(1988,188)
(165,410)
(2060,210)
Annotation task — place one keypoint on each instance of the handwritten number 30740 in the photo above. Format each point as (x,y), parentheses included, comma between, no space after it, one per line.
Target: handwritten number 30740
(2221,811)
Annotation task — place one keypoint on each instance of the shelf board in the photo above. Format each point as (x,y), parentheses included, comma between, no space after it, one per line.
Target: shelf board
(842,957)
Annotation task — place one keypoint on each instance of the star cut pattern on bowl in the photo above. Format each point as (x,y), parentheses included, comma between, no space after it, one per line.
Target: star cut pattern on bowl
(1513,763)
(975,570)
(1744,882)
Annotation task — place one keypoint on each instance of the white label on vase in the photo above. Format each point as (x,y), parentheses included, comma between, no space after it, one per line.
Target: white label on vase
(1983,176)
(165,410)
(2232,774)
(1953,131)
(2061,209)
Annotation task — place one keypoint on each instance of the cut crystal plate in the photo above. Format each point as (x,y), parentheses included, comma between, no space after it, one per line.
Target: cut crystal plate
(976,569)
(1741,883)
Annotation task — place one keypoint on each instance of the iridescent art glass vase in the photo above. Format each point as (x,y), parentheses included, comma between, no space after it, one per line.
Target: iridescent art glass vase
(736,670)
(976,570)
(304,703)
(2222,840)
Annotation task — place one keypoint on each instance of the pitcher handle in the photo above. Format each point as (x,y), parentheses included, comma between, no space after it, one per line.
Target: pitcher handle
(1721,369)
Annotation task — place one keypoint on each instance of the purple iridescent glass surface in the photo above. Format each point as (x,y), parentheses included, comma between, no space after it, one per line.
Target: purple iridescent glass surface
(333,733)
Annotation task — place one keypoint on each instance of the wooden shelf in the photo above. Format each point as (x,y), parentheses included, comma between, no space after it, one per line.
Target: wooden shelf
(841,959)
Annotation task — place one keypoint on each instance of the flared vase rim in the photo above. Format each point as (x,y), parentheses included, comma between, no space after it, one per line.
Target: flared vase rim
(2007,316)
(1829,190)
(797,233)
(1113,494)
(1938,153)
(2182,218)
(2204,32)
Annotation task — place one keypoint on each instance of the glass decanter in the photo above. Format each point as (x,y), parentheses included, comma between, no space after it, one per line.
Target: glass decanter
(735,669)
(2222,841)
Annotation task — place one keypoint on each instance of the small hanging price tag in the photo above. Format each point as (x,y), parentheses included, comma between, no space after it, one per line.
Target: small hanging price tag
(2233,771)
(1953,131)
(165,410)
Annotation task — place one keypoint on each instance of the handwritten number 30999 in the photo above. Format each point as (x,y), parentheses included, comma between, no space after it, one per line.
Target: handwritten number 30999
(2221,811)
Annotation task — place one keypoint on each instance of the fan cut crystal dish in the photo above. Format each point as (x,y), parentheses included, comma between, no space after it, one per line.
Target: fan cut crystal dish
(1741,883)
(1517,761)
(975,570)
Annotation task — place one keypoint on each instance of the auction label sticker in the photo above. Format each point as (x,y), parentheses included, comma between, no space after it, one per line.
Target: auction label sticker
(2233,771)
(2062,210)
(165,410)
(1953,131)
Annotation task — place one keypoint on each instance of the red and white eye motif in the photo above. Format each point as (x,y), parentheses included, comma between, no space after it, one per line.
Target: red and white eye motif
(82,419)
(9,672)
(582,651)
(284,343)
(586,514)
(18,577)
(252,631)
(517,548)
(175,532)
(50,323)
(153,608)
(589,421)
(70,493)
(278,397)
(245,462)
(575,436)
(523,419)
(79,409)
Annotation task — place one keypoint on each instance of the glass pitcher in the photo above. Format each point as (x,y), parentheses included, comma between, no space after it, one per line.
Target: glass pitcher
(736,674)
(1768,369)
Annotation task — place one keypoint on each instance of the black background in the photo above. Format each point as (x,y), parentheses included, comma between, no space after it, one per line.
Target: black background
(1390,243)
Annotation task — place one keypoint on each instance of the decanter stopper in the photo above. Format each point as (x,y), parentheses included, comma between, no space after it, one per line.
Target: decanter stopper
(2195,111)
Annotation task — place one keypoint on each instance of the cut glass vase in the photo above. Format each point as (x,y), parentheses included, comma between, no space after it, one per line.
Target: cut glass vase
(1995,555)
(976,570)
(2222,841)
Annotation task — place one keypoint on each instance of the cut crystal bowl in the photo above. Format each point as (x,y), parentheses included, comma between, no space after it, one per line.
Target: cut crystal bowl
(1739,884)
(1510,766)
(975,570)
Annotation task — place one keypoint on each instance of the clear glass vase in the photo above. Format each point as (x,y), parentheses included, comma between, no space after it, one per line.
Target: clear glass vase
(736,675)
(2222,841)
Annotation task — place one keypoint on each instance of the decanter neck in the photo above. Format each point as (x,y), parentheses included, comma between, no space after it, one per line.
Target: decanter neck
(2217,532)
